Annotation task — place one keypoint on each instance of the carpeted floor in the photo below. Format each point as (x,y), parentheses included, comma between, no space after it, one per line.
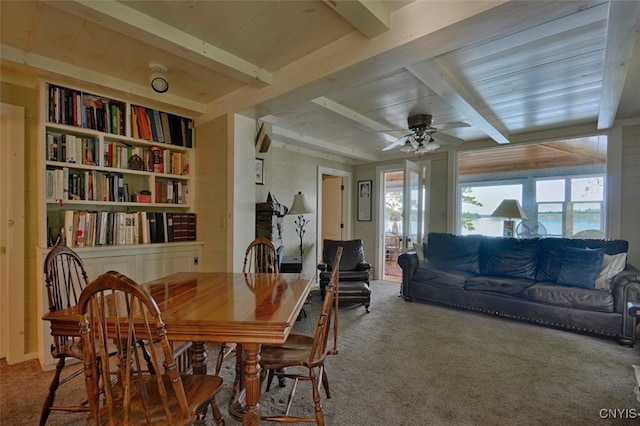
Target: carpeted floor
(416,364)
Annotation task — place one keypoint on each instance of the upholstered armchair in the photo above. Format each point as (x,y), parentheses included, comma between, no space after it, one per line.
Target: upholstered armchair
(353,284)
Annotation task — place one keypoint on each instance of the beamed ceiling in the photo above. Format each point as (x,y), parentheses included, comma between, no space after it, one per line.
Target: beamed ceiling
(339,78)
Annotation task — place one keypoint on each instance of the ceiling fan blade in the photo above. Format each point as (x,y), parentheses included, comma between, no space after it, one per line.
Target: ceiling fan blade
(448,139)
(395,143)
(451,125)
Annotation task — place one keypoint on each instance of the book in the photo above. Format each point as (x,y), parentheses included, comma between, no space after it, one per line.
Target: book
(166,132)
(191,227)
(144,228)
(158,123)
(153,229)
(170,235)
(160,227)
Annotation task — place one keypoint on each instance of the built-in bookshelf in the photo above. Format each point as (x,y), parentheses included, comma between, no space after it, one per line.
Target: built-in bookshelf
(110,166)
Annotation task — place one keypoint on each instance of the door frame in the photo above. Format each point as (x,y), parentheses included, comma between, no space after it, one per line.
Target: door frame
(13,256)
(346,213)
(403,166)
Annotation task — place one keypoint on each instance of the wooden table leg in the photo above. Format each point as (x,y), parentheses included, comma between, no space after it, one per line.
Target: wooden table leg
(199,357)
(251,415)
(244,404)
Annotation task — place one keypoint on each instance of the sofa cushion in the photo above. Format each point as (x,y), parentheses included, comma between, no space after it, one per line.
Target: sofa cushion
(449,251)
(503,285)
(580,267)
(571,297)
(552,253)
(438,277)
(509,257)
(612,265)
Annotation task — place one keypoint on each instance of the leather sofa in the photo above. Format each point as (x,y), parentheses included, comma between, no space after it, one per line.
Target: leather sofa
(353,279)
(583,285)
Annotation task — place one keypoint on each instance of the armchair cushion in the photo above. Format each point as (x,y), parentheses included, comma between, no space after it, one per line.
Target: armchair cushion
(352,255)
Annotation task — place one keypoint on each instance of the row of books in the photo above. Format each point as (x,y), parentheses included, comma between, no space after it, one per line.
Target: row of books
(158,126)
(89,185)
(171,192)
(72,149)
(146,159)
(90,229)
(80,109)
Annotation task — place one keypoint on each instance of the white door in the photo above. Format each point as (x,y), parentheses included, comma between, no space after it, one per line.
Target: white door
(412,212)
(12,250)
(401,213)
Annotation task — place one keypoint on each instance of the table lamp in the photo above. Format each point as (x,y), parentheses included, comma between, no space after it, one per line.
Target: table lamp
(511,209)
(300,207)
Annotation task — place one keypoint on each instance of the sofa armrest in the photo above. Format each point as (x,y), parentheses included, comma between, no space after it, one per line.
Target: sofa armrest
(409,262)
(626,288)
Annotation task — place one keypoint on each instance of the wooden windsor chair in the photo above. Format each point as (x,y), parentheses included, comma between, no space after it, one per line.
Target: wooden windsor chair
(117,311)
(260,256)
(306,354)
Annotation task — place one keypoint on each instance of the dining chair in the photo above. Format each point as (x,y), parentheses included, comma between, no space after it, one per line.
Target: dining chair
(65,278)
(117,311)
(304,354)
(260,256)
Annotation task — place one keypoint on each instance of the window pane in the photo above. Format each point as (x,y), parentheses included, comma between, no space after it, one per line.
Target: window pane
(587,189)
(550,190)
(585,216)
(478,202)
(550,215)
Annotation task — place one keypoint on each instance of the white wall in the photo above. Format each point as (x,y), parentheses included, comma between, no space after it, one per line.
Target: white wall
(286,173)
(630,202)
(244,207)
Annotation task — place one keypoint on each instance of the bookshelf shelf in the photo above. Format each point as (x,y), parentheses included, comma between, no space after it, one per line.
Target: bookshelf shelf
(105,155)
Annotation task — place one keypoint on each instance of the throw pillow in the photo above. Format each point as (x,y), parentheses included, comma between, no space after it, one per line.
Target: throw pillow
(580,267)
(419,251)
(612,265)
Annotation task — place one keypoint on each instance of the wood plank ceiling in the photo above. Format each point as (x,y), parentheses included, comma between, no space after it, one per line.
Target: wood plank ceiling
(340,78)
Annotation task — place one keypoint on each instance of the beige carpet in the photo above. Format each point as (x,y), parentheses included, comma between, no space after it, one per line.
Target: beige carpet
(416,364)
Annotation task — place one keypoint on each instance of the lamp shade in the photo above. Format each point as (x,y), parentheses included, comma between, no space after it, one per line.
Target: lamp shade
(299,205)
(510,209)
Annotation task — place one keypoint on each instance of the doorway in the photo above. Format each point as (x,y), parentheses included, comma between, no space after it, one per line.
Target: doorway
(333,206)
(402,191)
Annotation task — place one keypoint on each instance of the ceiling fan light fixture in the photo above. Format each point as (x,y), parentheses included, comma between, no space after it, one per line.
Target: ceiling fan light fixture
(432,146)
(407,147)
(158,78)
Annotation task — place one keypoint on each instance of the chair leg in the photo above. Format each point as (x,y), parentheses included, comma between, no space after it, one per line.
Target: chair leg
(220,359)
(325,383)
(316,398)
(217,415)
(366,308)
(53,387)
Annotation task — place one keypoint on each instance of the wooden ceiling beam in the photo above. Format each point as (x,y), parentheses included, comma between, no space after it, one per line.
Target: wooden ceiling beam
(358,118)
(622,27)
(370,18)
(133,23)
(322,145)
(437,79)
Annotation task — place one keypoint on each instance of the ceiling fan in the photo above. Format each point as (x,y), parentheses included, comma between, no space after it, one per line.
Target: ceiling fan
(421,140)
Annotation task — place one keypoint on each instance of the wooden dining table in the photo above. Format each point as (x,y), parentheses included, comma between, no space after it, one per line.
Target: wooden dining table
(222,307)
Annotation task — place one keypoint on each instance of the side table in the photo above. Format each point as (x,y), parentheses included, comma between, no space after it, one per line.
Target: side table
(291,264)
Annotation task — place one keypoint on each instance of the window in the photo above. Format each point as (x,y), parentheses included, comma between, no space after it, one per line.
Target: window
(560,184)
(568,206)
(478,202)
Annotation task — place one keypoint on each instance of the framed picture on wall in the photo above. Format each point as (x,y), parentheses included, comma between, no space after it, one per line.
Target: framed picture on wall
(259,171)
(364,200)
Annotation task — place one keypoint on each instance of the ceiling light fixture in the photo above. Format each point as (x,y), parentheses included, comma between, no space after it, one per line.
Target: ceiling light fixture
(158,78)
(420,143)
